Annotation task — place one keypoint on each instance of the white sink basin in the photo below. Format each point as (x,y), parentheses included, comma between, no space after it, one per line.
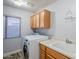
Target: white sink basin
(65,46)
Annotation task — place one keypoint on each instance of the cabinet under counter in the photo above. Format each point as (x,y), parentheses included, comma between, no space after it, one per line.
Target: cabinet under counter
(48,53)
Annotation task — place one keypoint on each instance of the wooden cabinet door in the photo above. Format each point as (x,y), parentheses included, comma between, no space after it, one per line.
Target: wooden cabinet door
(56,54)
(45,19)
(49,57)
(42,19)
(33,21)
(37,20)
(42,56)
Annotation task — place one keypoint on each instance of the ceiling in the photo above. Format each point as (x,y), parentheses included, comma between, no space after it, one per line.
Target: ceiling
(37,4)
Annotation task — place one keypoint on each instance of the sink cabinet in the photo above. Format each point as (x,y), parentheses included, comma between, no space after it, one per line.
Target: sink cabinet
(47,53)
(42,51)
(42,54)
(49,57)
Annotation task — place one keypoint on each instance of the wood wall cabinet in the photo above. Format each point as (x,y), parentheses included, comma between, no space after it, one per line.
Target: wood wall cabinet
(33,25)
(47,53)
(45,19)
(37,19)
(41,19)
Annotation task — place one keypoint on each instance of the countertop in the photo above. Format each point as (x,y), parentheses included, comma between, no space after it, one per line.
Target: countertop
(67,51)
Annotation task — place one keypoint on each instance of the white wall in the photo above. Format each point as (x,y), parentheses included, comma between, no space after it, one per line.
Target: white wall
(61,29)
(15,43)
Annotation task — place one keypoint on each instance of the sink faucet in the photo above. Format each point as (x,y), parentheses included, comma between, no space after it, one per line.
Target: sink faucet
(68,41)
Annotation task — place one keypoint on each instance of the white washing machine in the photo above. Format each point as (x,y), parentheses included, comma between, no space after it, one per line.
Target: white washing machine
(32,42)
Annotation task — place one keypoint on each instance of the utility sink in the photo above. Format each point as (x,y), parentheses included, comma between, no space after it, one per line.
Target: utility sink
(64,47)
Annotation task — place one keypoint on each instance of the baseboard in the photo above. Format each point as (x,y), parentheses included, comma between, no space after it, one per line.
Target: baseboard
(9,53)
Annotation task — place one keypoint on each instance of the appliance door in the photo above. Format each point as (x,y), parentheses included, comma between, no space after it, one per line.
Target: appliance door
(26,50)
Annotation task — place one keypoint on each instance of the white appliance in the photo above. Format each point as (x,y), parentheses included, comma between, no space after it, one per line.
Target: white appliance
(32,42)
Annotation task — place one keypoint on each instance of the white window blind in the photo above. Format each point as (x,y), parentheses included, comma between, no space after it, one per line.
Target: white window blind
(12,26)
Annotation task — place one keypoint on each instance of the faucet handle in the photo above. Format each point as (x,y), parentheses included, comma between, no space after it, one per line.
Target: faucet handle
(68,41)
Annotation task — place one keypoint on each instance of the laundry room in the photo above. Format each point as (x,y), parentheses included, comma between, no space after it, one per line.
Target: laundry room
(39,29)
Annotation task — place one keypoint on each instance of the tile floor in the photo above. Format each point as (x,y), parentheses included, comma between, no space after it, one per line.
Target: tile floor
(18,55)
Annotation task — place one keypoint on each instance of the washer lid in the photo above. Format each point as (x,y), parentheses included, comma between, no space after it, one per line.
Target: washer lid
(35,37)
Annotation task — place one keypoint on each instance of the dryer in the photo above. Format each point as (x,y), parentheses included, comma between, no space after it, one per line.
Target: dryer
(33,45)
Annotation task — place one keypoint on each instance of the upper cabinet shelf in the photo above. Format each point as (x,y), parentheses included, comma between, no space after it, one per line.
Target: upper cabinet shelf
(41,20)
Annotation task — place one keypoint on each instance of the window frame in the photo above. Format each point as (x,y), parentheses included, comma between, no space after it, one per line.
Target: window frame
(6,20)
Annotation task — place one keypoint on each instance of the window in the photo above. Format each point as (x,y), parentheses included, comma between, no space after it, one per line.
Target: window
(12,27)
